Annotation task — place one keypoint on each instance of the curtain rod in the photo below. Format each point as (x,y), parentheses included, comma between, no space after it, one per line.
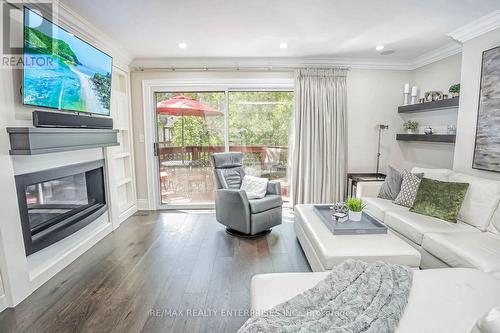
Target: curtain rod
(215,69)
(232,69)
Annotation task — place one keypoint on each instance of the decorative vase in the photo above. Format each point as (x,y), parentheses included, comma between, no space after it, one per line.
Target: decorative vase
(410,131)
(355,216)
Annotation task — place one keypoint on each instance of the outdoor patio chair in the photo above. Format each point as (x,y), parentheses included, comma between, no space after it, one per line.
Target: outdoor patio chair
(243,217)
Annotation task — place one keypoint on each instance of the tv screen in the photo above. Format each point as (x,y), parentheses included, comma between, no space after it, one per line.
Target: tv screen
(62,71)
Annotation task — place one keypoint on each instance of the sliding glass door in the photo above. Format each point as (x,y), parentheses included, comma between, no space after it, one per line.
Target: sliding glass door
(192,125)
(259,126)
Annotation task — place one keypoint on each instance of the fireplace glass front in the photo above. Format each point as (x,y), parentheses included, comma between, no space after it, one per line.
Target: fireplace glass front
(58,202)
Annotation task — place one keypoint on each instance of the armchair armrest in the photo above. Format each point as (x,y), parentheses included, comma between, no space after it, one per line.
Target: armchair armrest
(368,189)
(233,209)
(274,188)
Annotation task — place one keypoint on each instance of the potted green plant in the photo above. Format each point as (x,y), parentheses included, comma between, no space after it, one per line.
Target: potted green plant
(355,207)
(455,90)
(410,126)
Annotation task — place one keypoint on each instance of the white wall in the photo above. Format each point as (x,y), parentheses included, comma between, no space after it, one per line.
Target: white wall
(373,97)
(469,95)
(439,76)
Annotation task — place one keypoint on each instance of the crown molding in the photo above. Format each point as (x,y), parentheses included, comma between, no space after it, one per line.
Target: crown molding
(440,53)
(476,28)
(288,64)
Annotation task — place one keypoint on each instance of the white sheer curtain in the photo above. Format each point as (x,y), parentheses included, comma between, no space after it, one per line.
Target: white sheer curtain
(318,144)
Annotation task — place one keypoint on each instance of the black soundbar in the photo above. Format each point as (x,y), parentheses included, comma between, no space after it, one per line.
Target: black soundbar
(66,120)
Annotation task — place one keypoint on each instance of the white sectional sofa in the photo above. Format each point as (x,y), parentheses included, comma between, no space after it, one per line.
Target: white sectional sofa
(473,242)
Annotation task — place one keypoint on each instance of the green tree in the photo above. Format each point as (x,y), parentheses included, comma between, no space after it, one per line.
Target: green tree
(255,118)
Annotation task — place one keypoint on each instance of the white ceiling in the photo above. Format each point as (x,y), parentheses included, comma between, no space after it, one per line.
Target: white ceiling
(255,28)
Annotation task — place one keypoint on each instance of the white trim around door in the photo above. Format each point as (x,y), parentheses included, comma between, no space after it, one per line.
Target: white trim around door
(150,87)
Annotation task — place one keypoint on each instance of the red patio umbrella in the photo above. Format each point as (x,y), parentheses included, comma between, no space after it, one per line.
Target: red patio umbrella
(185,106)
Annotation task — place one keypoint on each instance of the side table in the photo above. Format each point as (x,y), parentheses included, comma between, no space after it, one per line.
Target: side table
(354,178)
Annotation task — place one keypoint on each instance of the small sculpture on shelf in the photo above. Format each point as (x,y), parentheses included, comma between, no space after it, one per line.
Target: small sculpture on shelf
(452,130)
(429,130)
(414,93)
(406,93)
(431,96)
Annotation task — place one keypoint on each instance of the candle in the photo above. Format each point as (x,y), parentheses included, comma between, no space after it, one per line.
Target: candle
(414,91)
(407,88)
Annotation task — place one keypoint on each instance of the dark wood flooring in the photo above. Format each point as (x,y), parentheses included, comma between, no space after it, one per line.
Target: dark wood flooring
(163,272)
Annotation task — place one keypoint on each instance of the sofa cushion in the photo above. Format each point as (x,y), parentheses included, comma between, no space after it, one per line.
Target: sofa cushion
(439,199)
(268,202)
(436,174)
(378,207)
(479,250)
(480,202)
(413,226)
(392,184)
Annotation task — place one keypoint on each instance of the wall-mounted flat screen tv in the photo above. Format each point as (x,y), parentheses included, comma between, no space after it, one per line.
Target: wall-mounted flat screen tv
(62,71)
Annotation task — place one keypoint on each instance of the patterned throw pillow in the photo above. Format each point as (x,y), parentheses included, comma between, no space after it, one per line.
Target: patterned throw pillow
(439,199)
(409,188)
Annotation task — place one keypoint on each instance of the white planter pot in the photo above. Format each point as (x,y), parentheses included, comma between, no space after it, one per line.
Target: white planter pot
(355,216)
(410,131)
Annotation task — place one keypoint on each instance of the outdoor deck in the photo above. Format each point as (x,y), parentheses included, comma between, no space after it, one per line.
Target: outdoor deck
(186,174)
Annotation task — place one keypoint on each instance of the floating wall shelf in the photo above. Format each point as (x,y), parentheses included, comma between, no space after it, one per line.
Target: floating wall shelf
(427,138)
(35,140)
(430,106)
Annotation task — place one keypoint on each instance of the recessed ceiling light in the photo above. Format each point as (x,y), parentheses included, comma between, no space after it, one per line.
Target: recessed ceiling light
(182,45)
(379,47)
(283,45)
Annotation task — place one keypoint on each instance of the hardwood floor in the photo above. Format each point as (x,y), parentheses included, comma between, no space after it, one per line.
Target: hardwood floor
(162,272)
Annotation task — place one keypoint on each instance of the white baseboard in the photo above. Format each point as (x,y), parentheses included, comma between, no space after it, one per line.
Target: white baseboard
(3,302)
(128,213)
(143,204)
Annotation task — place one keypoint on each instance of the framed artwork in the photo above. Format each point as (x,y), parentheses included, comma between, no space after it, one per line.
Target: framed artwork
(487,147)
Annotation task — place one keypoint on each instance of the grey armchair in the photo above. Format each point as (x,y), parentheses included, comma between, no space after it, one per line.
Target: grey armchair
(241,216)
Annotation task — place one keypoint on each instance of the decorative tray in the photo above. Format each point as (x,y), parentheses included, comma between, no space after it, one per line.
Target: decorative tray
(367,225)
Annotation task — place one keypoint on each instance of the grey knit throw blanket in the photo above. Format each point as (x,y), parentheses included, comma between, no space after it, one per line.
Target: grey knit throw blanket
(354,297)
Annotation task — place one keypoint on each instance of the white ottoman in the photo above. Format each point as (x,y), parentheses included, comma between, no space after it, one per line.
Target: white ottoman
(324,250)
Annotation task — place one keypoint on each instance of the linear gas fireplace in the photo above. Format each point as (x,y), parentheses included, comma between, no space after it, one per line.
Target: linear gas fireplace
(58,202)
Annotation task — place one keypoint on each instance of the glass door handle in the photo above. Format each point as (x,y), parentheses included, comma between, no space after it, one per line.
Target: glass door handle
(156,149)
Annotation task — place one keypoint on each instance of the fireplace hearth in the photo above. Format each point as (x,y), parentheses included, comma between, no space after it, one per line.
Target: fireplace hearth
(55,203)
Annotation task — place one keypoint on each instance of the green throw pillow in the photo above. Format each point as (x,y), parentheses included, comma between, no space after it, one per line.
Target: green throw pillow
(439,199)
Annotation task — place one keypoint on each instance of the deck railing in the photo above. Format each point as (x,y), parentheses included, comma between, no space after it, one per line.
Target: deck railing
(186,173)
(200,155)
